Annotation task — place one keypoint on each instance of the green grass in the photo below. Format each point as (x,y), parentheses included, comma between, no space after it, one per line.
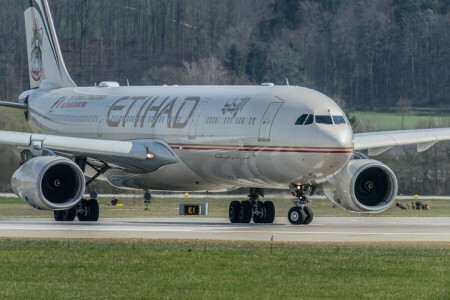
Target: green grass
(393,121)
(168,207)
(115,269)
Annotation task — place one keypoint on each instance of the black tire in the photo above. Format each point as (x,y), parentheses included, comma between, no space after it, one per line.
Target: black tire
(270,212)
(94,210)
(245,212)
(233,211)
(69,215)
(296,216)
(83,218)
(309,215)
(57,214)
(258,219)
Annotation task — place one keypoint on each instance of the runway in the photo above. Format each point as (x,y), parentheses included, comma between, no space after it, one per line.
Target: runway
(333,229)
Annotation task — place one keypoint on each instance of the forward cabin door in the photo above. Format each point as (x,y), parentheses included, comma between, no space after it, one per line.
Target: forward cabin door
(267,121)
(193,124)
(102,120)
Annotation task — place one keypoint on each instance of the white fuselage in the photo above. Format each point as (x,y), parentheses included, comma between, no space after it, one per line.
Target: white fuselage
(225,136)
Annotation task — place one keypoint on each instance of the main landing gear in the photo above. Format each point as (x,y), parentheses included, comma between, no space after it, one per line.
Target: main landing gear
(300,214)
(86,210)
(253,208)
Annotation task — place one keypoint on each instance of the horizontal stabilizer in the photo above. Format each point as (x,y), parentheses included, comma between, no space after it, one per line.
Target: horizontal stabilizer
(14,105)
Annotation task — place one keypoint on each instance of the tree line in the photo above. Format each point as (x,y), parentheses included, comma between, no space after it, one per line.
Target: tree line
(367,53)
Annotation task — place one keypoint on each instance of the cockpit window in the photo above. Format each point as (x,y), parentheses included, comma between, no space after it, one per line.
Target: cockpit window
(324,120)
(338,120)
(310,120)
(301,120)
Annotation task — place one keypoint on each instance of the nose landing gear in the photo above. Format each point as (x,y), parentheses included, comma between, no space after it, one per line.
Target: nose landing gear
(300,214)
(253,208)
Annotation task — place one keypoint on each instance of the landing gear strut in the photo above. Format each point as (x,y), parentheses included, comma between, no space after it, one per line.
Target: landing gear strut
(300,214)
(253,208)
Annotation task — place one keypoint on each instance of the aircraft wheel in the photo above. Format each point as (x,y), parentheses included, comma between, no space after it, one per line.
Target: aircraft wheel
(57,214)
(245,212)
(82,218)
(270,212)
(94,210)
(69,215)
(296,216)
(65,215)
(258,219)
(309,215)
(233,211)
(90,211)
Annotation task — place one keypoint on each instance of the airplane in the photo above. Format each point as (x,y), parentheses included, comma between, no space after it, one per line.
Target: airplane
(190,138)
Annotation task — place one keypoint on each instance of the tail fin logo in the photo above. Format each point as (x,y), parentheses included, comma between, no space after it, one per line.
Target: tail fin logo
(36,52)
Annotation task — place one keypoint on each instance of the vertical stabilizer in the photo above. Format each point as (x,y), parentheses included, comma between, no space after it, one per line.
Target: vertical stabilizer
(45,61)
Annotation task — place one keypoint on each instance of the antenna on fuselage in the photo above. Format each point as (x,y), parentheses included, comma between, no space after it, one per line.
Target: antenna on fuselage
(128,83)
(287,81)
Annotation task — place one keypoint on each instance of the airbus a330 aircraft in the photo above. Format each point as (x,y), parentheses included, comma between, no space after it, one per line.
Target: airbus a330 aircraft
(190,138)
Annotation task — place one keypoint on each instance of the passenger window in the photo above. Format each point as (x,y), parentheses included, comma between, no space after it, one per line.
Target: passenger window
(338,120)
(310,120)
(324,120)
(301,120)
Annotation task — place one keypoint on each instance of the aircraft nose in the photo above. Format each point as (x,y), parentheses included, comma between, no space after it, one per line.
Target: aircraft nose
(338,138)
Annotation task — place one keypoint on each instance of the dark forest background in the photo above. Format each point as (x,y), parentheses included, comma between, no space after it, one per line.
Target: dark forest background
(372,55)
(368,53)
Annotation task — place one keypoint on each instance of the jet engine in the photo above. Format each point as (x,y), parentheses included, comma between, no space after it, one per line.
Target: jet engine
(363,185)
(49,183)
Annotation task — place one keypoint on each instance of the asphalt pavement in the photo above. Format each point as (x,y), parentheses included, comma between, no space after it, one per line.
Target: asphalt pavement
(322,229)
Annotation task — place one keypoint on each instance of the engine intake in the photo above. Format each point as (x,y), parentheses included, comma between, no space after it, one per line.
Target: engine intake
(363,186)
(49,183)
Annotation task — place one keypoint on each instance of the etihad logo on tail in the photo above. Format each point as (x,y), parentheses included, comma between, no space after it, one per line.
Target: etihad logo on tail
(36,53)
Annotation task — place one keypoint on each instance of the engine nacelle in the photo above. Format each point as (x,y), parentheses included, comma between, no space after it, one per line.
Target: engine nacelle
(363,186)
(49,183)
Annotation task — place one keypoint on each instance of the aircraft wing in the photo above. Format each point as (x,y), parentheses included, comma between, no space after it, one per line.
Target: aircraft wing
(142,156)
(379,142)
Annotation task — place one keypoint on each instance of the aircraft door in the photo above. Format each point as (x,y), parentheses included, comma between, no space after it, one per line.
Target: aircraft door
(267,120)
(102,120)
(193,123)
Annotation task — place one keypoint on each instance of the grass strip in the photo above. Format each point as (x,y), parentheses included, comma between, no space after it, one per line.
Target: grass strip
(161,269)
